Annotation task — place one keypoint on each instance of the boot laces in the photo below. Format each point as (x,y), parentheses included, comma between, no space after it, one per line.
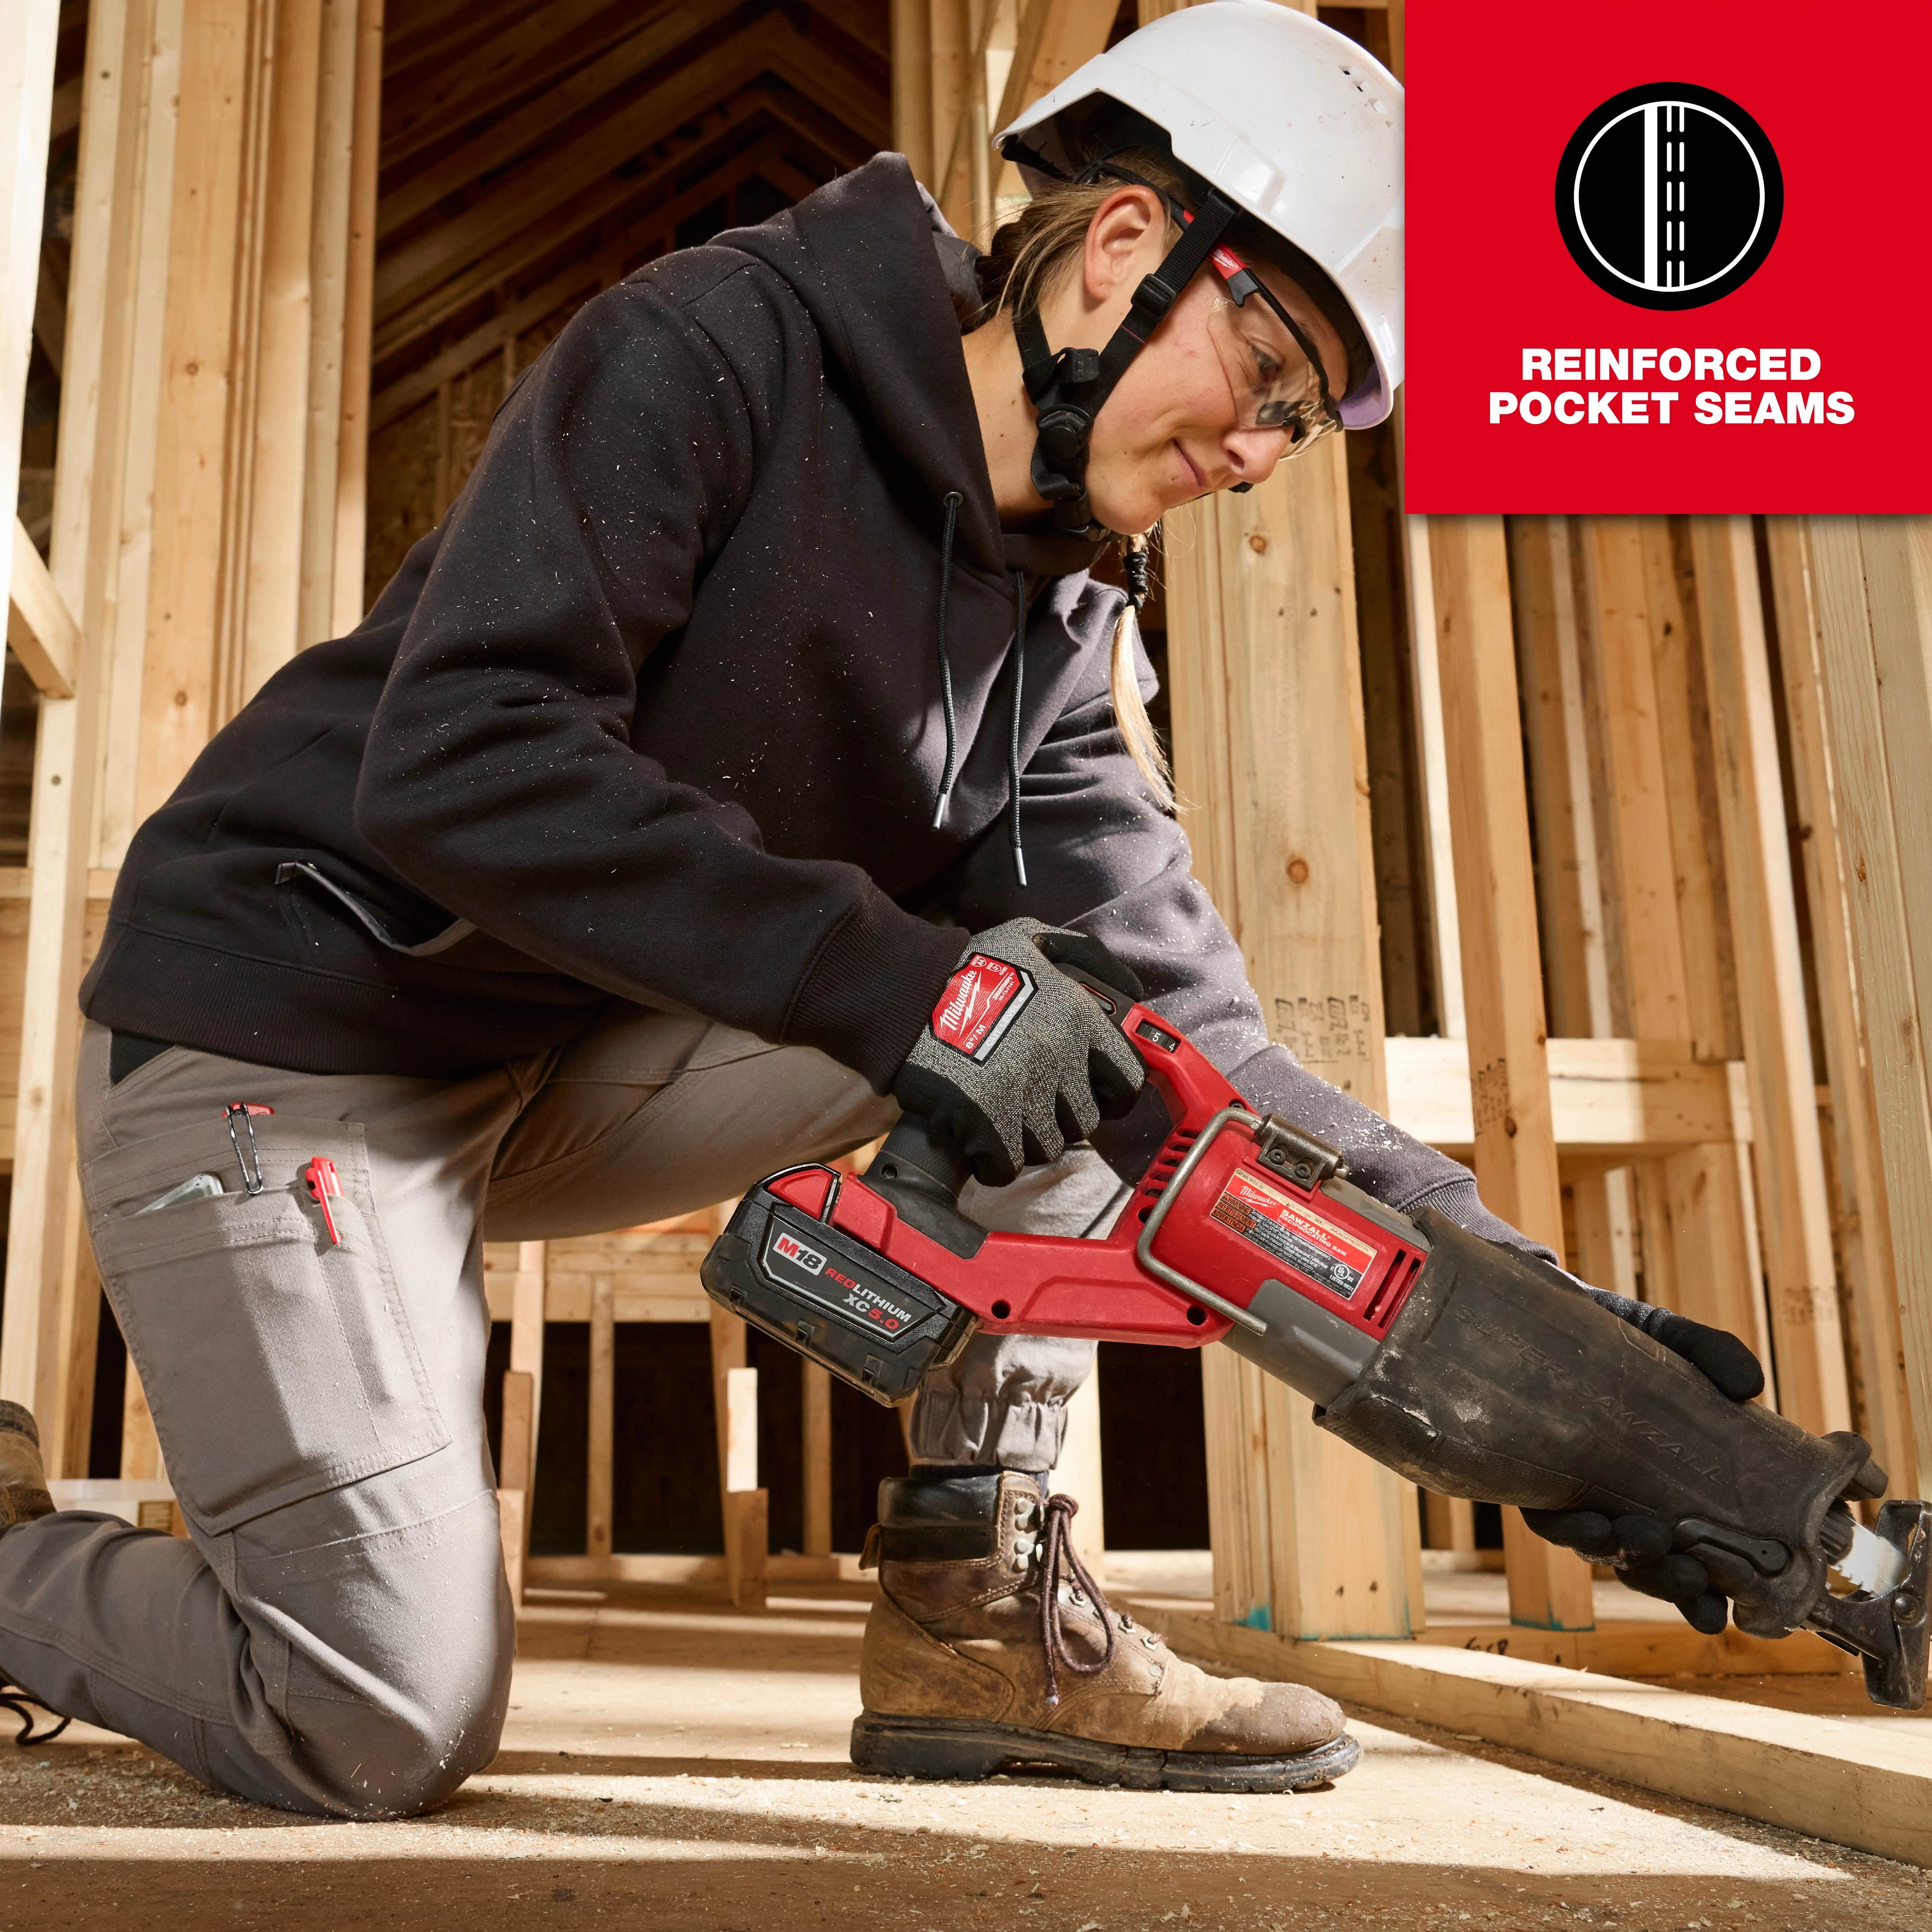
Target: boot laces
(1057,1553)
(14,1698)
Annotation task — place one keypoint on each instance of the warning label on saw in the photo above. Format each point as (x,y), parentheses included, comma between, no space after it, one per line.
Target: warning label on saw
(1277,1222)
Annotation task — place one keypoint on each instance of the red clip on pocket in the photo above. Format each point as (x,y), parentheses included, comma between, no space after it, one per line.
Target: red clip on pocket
(323,1182)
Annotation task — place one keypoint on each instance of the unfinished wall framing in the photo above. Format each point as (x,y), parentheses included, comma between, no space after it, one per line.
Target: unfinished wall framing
(1626,787)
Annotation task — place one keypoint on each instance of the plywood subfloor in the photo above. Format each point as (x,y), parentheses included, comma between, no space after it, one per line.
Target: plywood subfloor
(669,1764)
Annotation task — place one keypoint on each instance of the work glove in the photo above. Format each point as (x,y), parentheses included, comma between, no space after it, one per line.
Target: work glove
(1018,1060)
(1638,1546)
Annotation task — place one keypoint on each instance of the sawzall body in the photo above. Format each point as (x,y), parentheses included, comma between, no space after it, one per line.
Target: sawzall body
(1475,1370)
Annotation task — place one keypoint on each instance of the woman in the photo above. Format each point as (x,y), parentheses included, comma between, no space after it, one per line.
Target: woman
(624,853)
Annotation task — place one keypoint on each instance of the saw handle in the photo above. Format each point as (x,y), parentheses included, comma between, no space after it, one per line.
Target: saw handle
(918,1162)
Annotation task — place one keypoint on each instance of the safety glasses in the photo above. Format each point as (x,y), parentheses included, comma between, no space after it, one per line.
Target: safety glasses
(1272,369)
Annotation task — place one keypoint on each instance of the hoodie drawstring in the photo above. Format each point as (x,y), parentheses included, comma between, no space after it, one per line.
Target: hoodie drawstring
(952,500)
(1013,744)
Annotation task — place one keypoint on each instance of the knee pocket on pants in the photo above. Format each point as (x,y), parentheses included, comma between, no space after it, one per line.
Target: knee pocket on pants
(278,1362)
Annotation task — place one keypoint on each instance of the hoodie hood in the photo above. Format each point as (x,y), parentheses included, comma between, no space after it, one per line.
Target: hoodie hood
(877,226)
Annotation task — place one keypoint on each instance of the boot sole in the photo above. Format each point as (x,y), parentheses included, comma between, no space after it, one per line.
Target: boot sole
(961,1748)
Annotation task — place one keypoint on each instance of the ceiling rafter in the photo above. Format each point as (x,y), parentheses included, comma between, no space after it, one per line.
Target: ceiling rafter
(554,178)
(765,157)
(532,50)
(513,258)
(438,32)
(509,140)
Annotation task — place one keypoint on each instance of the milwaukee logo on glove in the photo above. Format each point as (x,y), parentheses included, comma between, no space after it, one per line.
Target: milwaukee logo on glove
(981,1001)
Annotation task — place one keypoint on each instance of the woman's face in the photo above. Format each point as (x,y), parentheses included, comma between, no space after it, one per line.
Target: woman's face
(1171,429)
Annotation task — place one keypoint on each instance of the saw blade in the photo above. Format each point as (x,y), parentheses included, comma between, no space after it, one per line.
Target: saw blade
(1871,1563)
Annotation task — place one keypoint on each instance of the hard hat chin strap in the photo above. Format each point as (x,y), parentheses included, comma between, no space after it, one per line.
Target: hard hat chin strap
(1068,388)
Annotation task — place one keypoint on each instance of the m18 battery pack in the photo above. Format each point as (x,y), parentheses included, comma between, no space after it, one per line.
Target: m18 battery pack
(819,1290)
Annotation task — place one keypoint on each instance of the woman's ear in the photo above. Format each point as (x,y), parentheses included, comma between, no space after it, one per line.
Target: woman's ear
(1119,238)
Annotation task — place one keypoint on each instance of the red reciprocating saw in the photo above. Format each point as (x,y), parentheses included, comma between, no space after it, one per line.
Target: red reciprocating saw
(1475,1370)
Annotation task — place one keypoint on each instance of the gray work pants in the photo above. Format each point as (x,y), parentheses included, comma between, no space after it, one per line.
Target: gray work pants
(335,1634)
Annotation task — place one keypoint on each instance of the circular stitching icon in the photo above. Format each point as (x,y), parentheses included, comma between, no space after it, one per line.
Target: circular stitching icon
(1669,196)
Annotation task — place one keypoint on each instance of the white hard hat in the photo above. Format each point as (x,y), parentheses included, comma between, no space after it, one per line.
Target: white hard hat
(1292,122)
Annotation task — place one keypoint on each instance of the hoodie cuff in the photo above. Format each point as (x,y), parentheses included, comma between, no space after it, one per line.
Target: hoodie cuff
(872,986)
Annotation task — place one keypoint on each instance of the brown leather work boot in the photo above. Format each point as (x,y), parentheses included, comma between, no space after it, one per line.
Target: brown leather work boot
(23,1480)
(990,1646)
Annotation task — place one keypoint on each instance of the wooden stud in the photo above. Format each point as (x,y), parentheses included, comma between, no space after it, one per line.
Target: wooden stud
(603,1418)
(1643,682)
(514,1498)
(281,338)
(40,628)
(1054,37)
(44,1317)
(1794,1215)
(1874,580)
(1271,760)
(1569,886)
(1078,1473)
(135,204)
(1428,675)
(816,1458)
(1452,1521)
(26,106)
(1865,1223)
(140,1447)
(912,84)
(358,312)
(1502,983)
(523,1401)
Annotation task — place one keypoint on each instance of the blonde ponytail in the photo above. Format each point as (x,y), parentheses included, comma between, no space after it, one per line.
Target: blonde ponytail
(1130,711)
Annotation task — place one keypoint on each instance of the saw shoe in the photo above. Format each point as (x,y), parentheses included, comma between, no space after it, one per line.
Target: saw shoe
(23,1480)
(990,1646)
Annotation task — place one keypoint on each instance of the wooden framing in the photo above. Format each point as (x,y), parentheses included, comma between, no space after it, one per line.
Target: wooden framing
(217,344)
(1515,1139)
(1873,583)
(1865,1785)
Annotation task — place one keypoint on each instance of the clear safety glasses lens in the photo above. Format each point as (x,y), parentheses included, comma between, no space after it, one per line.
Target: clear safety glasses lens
(1276,384)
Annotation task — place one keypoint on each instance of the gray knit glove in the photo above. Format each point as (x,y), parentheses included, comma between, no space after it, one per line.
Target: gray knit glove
(1019,1059)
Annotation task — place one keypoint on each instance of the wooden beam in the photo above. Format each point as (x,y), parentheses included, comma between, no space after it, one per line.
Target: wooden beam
(39,627)
(42,1313)
(529,51)
(408,392)
(1865,1220)
(1794,1217)
(535,189)
(1055,37)
(571,102)
(1865,1785)
(1265,674)
(359,321)
(26,92)
(1515,1144)
(402,324)
(523,1407)
(601,1465)
(1610,1100)
(1445,925)
(436,34)
(1873,576)
(912,83)
(815,1458)
(1078,1473)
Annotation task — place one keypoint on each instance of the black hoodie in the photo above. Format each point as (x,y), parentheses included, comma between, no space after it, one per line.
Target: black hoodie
(655,717)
